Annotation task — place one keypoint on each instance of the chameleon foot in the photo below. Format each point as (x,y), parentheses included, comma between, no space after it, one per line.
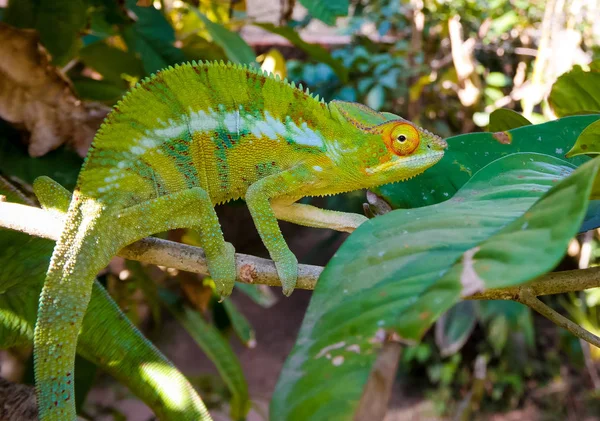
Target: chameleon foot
(287,270)
(222,270)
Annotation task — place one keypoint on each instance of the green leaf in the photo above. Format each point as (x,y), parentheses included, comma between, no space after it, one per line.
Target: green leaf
(62,40)
(218,350)
(402,270)
(588,141)
(22,270)
(240,324)
(468,153)
(504,119)
(99,90)
(315,51)
(85,375)
(153,38)
(454,328)
(576,91)
(236,49)
(62,165)
(326,11)
(111,62)
(260,294)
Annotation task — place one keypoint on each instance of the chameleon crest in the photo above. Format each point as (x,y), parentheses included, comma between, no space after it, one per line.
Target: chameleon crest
(189,138)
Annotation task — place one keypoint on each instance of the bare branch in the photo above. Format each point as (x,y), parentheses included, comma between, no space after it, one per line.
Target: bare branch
(526,297)
(250,269)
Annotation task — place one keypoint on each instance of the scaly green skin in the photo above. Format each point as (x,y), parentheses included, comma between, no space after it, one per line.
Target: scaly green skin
(111,341)
(192,137)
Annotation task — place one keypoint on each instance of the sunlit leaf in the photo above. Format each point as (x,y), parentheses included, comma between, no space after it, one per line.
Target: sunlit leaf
(402,270)
(576,91)
(588,141)
(504,119)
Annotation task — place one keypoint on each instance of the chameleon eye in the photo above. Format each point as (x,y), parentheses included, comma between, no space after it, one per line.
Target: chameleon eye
(402,139)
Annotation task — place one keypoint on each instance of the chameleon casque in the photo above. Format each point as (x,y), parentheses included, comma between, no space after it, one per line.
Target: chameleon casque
(187,139)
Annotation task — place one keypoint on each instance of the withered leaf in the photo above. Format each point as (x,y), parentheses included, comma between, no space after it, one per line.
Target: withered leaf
(36,96)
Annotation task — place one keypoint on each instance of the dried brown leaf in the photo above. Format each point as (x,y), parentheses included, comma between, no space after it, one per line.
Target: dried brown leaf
(36,96)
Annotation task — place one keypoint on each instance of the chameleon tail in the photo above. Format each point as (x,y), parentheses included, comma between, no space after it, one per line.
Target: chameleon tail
(78,256)
(125,354)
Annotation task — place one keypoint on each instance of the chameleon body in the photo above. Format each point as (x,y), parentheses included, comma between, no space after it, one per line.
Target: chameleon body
(189,138)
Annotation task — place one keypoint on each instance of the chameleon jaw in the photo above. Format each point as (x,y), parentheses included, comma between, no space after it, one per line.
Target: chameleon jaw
(419,163)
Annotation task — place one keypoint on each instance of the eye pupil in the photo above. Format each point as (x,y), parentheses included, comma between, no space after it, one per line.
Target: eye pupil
(401,138)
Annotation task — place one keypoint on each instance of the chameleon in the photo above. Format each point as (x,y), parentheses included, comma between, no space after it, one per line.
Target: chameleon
(191,137)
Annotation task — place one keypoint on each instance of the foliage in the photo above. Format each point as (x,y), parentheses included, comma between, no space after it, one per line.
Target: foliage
(498,210)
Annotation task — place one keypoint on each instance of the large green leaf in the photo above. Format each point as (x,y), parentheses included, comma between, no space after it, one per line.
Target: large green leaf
(576,91)
(326,11)
(317,52)
(401,271)
(468,153)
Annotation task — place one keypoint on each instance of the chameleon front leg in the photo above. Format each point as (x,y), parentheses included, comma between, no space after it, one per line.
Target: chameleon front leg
(258,197)
(311,216)
(191,208)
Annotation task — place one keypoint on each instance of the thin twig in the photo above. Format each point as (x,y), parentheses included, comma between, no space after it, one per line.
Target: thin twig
(526,297)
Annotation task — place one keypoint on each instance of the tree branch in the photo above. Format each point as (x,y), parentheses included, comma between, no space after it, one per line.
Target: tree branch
(46,224)
(250,269)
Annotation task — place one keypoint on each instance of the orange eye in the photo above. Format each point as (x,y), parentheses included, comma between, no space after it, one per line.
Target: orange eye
(402,139)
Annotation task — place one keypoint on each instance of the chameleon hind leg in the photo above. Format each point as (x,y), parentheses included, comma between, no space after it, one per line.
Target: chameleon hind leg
(191,208)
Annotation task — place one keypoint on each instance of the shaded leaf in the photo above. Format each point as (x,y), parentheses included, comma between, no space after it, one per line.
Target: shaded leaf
(241,325)
(61,165)
(588,141)
(504,119)
(393,274)
(99,90)
(315,51)
(576,91)
(217,349)
(468,153)
(112,63)
(326,11)
(61,40)
(153,38)
(260,294)
(454,328)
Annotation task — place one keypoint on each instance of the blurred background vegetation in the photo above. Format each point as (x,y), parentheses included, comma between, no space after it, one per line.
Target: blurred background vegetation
(444,65)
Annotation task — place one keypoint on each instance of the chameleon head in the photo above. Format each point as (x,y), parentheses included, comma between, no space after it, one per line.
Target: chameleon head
(405,150)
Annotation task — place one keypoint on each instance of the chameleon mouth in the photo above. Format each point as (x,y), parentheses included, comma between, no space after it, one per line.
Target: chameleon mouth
(417,163)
